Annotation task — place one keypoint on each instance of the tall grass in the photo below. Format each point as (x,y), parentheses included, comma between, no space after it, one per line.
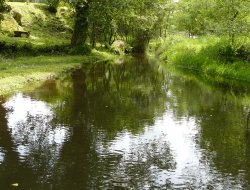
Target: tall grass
(209,55)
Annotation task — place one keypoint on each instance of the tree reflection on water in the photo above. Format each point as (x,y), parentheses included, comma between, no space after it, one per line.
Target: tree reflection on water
(127,126)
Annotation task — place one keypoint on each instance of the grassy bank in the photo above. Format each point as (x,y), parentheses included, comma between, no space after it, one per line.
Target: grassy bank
(46,29)
(17,73)
(208,55)
(48,45)
(50,33)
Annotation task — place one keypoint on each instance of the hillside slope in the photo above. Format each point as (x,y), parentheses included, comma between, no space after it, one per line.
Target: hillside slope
(45,28)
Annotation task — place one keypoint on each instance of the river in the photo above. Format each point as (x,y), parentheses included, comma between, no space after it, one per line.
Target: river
(134,125)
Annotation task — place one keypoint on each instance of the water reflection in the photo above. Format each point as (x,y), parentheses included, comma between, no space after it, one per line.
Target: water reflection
(34,140)
(127,126)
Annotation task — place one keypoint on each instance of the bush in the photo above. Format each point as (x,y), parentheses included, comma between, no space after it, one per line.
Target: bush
(231,54)
(4,7)
(29,49)
(52,9)
(85,49)
(2,45)
(243,52)
(1,17)
(52,5)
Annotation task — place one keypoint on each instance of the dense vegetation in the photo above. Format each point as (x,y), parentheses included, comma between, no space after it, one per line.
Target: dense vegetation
(95,22)
(224,19)
(210,36)
(138,22)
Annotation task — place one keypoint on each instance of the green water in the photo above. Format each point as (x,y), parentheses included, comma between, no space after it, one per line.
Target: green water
(129,126)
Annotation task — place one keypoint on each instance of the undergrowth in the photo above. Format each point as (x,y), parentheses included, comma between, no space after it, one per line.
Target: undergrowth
(208,55)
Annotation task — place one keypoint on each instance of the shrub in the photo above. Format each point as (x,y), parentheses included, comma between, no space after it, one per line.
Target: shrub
(29,49)
(52,9)
(1,17)
(4,7)
(85,49)
(241,51)
(52,5)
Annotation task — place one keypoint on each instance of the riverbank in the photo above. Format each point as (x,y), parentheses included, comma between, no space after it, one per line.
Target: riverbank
(46,52)
(206,55)
(20,72)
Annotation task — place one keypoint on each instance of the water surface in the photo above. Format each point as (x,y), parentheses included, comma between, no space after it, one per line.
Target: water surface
(129,126)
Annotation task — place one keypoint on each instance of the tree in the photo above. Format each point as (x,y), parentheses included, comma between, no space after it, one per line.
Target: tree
(94,18)
(81,23)
(144,20)
(192,16)
(103,19)
(198,17)
(135,21)
(232,18)
(4,7)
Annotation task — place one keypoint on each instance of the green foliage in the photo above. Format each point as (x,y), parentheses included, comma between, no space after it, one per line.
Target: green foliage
(135,22)
(230,54)
(50,33)
(84,49)
(191,16)
(144,21)
(197,17)
(53,5)
(1,17)
(209,55)
(25,49)
(81,24)
(4,7)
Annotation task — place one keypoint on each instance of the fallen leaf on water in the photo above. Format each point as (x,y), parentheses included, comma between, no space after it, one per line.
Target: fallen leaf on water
(15,184)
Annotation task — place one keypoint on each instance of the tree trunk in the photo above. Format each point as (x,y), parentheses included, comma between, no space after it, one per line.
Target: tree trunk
(110,36)
(81,24)
(141,42)
(93,35)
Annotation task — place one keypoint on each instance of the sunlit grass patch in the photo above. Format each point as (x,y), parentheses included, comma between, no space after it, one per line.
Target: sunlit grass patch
(207,55)
(46,29)
(16,73)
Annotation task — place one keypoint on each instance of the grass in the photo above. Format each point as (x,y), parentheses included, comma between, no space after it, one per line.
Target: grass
(50,33)
(50,37)
(17,73)
(46,28)
(207,55)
